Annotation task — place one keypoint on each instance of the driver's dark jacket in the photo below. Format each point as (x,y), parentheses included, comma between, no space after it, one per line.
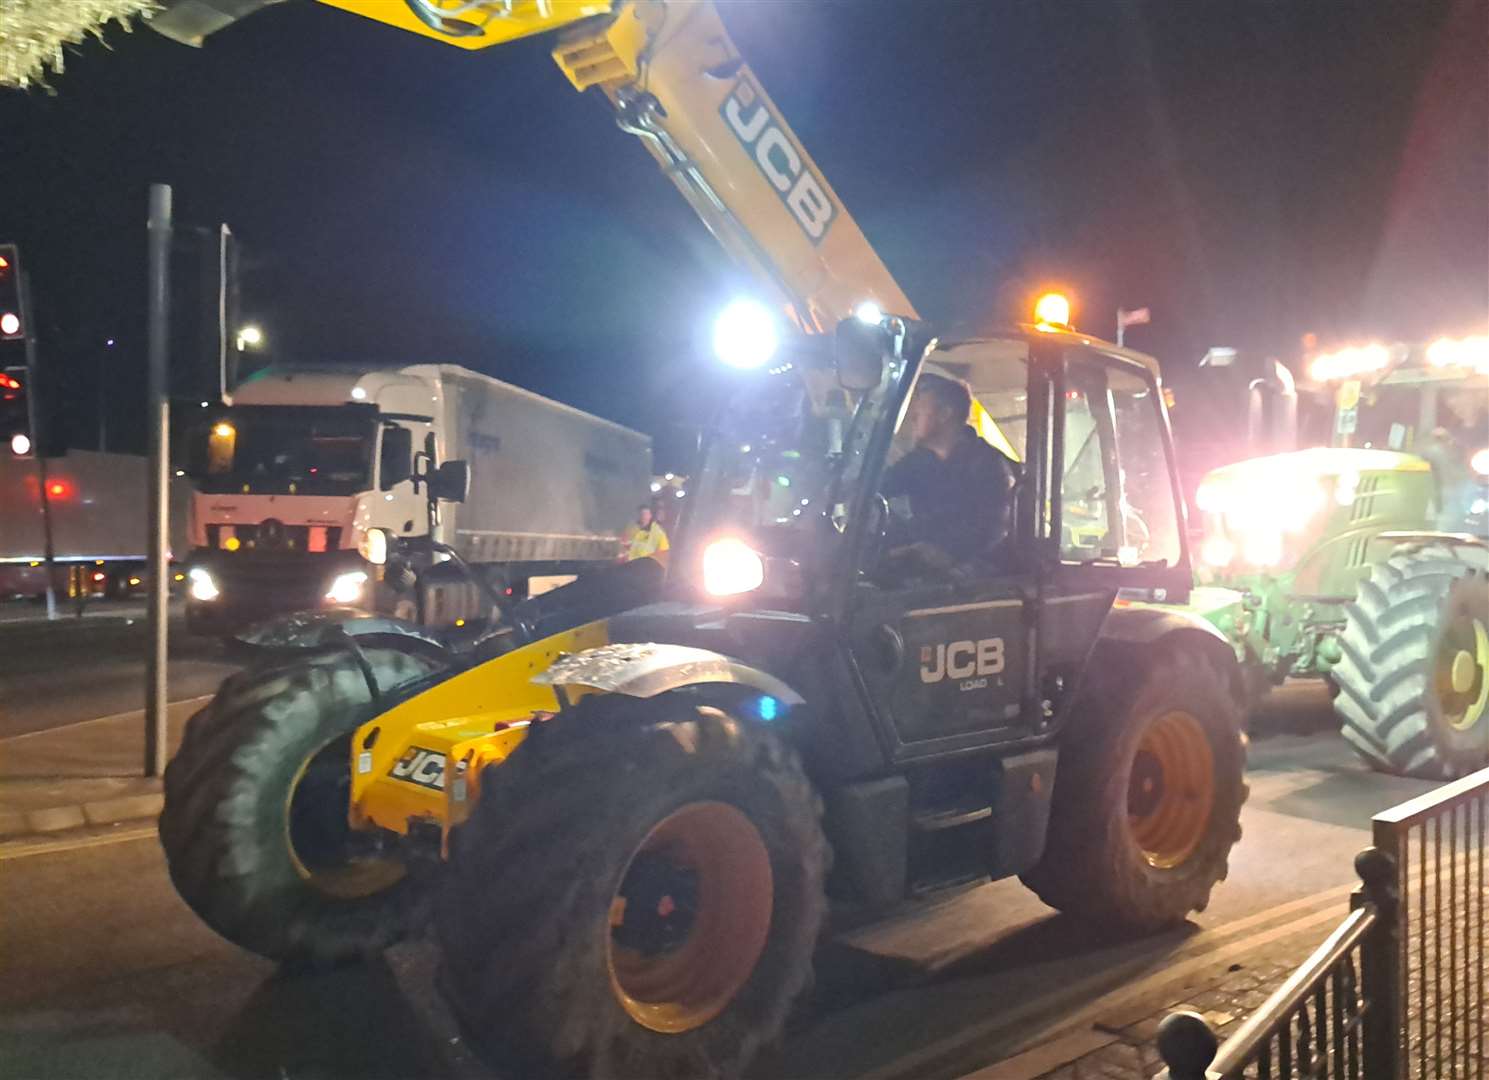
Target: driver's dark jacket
(962,504)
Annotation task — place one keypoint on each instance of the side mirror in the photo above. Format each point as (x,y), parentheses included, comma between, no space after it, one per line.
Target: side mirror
(451,481)
(859,349)
(397,461)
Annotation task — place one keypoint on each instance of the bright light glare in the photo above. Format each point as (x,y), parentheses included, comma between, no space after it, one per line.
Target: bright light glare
(223,430)
(1053,309)
(9,323)
(251,336)
(730,567)
(1218,551)
(1349,363)
(347,589)
(202,585)
(359,393)
(374,547)
(1470,352)
(20,444)
(1264,547)
(1480,461)
(744,336)
(869,312)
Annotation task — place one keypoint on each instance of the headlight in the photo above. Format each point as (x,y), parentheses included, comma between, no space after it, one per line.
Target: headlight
(1218,552)
(1480,461)
(730,567)
(374,546)
(347,589)
(202,586)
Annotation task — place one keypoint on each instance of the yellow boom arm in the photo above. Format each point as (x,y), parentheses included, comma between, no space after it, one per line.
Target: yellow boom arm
(676,81)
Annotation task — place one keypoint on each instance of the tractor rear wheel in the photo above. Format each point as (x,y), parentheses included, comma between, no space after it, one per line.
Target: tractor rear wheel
(1414,676)
(254,824)
(639,895)
(1148,793)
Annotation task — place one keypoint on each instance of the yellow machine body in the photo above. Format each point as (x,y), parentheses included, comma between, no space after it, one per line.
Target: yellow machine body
(476,26)
(421,761)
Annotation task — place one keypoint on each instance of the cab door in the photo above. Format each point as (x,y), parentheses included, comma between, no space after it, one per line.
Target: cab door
(950,664)
(945,665)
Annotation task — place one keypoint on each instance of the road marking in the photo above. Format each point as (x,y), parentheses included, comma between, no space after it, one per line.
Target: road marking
(26,849)
(129,715)
(1088,993)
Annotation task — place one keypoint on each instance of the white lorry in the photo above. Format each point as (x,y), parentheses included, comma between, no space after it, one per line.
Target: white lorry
(293,475)
(98,510)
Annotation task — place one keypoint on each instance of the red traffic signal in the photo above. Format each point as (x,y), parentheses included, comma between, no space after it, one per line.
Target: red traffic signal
(10,293)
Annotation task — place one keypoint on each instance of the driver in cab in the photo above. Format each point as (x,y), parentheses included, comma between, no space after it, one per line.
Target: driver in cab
(959,487)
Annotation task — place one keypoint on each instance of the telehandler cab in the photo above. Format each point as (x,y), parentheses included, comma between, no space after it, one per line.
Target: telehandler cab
(630,826)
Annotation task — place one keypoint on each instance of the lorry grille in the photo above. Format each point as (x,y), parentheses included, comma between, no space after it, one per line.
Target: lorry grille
(271,535)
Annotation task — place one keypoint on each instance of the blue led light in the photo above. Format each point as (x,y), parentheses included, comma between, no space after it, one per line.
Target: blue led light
(769,708)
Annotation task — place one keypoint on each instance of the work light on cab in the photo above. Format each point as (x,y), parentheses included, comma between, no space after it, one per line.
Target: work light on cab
(745,335)
(731,567)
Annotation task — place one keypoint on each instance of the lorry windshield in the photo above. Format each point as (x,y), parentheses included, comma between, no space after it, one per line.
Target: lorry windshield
(289,450)
(783,458)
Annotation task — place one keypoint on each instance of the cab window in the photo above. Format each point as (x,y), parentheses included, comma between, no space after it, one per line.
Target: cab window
(1115,492)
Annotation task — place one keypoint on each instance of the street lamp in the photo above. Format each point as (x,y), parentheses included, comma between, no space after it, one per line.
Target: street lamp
(250,337)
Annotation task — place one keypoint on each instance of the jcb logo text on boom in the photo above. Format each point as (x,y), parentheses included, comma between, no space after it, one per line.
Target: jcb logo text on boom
(779,159)
(961,660)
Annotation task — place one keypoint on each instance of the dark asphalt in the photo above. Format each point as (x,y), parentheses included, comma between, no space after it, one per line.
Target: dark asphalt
(108,974)
(61,672)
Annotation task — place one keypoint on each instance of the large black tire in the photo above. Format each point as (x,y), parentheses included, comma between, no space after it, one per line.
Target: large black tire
(1397,706)
(526,919)
(254,823)
(1109,856)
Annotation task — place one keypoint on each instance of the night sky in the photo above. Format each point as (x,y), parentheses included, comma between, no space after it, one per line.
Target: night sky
(1250,171)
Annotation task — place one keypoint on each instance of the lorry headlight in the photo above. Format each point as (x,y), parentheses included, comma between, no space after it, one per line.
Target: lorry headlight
(731,567)
(347,588)
(202,585)
(1480,461)
(374,546)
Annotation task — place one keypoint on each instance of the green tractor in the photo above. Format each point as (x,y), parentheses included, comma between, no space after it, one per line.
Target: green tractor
(1364,560)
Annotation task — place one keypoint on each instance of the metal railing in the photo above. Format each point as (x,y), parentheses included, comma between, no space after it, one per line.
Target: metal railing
(1398,990)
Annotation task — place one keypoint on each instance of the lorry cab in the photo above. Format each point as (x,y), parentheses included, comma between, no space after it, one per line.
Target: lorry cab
(290,477)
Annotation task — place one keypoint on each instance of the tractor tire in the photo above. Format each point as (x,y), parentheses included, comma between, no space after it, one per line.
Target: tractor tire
(254,822)
(1148,794)
(638,892)
(1414,675)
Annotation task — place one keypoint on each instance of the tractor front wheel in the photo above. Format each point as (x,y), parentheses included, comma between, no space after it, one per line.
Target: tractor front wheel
(255,827)
(638,896)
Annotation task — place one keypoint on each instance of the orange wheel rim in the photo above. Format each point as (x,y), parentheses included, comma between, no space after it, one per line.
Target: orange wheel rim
(315,852)
(1171,789)
(689,921)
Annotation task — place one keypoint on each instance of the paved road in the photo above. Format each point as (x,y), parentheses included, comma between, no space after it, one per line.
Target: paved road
(55,673)
(108,974)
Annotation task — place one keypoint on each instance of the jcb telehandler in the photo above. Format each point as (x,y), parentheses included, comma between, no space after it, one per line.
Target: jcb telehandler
(630,828)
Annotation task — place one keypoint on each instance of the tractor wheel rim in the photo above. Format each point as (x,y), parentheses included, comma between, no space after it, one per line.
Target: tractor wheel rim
(315,816)
(705,945)
(1461,676)
(1171,789)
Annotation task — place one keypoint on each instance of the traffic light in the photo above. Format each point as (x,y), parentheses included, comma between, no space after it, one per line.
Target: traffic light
(10,294)
(15,420)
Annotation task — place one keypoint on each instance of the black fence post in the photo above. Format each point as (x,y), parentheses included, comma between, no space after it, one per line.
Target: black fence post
(1380,961)
(1187,1046)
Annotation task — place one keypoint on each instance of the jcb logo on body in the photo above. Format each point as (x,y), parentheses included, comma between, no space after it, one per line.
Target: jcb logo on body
(972,662)
(419,766)
(782,163)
